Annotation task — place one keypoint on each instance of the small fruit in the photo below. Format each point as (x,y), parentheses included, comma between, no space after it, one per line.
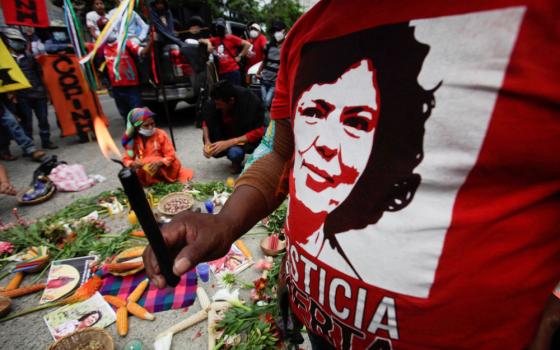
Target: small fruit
(230,182)
(132,218)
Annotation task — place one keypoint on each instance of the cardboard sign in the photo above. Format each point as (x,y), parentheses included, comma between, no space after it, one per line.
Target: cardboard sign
(31,13)
(75,103)
(11,77)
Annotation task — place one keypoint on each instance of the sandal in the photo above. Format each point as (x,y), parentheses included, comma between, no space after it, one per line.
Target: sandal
(38,156)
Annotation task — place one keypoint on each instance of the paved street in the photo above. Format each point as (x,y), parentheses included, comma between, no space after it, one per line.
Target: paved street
(30,332)
(189,149)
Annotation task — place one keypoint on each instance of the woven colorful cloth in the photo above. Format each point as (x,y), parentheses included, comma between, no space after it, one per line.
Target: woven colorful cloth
(154,300)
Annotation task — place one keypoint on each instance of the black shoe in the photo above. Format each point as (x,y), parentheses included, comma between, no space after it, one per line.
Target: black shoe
(49,145)
(235,168)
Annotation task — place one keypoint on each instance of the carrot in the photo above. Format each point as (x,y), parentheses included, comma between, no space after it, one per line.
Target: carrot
(139,311)
(138,291)
(15,281)
(132,253)
(138,234)
(122,321)
(114,300)
(19,292)
(121,267)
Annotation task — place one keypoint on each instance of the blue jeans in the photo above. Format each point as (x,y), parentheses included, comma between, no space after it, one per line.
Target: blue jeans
(267,93)
(126,98)
(10,124)
(233,77)
(26,107)
(235,154)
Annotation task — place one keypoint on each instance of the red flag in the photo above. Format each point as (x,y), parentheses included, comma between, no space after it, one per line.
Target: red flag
(31,13)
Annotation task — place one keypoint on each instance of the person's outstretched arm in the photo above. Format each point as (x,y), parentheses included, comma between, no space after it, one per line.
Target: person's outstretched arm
(195,237)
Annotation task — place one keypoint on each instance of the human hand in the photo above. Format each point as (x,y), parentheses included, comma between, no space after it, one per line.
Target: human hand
(207,150)
(153,167)
(7,188)
(549,324)
(191,238)
(237,59)
(220,146)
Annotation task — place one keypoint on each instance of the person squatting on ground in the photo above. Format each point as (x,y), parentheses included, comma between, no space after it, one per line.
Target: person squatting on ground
(233,123)
(417,144)
(226,47)
(150,152)
(33,99)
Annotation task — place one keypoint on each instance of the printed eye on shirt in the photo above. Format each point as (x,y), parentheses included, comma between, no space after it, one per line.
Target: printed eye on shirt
(385,248)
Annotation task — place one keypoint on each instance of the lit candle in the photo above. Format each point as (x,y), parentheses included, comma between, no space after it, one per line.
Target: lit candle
(141,207)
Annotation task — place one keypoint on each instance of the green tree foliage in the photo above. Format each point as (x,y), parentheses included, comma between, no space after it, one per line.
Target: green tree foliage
(287,11)
(236,10)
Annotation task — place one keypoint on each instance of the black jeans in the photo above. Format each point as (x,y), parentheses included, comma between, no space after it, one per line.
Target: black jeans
(27,106)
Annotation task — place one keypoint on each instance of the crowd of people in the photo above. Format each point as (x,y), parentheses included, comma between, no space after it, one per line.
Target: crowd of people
(234,118)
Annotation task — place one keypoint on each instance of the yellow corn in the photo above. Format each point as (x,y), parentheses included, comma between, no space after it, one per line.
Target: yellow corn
(139,311)
(114,300)
(138,291)
(122,321)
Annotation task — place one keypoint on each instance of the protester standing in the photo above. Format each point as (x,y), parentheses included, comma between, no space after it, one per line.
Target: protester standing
(11,126)
(226,47)
(258,43)
(34,99)
(93,17)
(268,70)
(125,88)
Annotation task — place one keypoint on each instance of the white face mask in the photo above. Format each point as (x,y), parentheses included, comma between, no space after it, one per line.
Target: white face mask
(146,132)
(279,36)
(253,33)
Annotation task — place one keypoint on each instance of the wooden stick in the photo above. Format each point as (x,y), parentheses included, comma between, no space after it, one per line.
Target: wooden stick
(186,323)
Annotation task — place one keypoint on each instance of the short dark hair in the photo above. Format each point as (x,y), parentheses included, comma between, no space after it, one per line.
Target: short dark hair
(388,182)
(223,90)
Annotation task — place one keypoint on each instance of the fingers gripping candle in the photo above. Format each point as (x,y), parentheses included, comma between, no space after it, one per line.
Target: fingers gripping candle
(141,207)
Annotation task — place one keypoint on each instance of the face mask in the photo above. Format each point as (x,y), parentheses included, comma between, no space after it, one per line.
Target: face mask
(17,45)
(59,36)
(146,132)
(279,36)
(253,33)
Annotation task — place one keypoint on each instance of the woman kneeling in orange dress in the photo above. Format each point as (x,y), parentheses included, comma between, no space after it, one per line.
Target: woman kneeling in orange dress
(149,150)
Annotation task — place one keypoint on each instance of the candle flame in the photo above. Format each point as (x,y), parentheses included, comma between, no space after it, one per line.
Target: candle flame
(104,139)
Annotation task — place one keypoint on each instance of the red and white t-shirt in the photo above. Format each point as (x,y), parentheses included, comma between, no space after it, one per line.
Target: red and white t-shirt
(256,53)
(226,48)
(127,69)
(424,195)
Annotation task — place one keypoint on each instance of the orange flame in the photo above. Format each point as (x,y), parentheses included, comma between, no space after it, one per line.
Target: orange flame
(104,139)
